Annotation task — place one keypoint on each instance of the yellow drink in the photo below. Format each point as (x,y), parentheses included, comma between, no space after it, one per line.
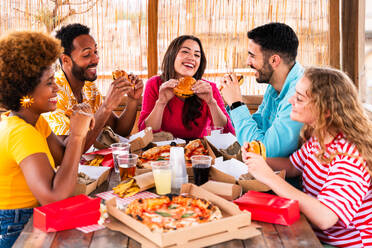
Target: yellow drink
(163,180)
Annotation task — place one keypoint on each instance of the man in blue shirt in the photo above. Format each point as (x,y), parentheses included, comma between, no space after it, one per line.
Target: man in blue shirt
(272,51)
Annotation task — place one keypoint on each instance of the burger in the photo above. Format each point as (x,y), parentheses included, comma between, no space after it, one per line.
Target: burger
(183,89)
(257,147)
(119,73)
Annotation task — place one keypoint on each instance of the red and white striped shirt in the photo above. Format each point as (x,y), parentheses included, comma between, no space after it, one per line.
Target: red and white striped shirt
(343,185)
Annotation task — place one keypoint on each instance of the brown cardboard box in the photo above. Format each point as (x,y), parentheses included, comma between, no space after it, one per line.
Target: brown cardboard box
(235,224)
(99,173)
(141,139)
(227,191)
(145,181)
(252,184)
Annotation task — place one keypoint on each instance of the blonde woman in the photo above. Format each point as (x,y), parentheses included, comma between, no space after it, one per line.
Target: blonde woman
(335,160)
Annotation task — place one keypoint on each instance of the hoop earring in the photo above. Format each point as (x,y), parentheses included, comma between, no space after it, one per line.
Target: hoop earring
(26,101)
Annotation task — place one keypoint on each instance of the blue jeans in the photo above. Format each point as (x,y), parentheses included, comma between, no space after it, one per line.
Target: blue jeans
(12,222)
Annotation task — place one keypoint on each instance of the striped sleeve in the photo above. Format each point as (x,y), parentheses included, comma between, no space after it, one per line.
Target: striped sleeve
(345,188)
(299,157)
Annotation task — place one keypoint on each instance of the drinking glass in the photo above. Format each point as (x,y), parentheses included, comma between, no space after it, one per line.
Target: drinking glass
(201,164)
(119,149)
(162,172)
(214,130)
(127,165)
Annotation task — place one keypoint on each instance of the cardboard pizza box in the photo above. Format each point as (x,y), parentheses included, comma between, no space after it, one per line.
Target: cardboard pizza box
(141,139)
(248,184)
(235,224)
(98,173)
(228,191)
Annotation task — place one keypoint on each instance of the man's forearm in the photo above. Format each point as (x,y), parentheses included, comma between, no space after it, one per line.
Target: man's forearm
(101,117)
(124,124)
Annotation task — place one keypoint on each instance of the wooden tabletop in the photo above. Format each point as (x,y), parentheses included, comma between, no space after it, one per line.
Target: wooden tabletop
(298,234)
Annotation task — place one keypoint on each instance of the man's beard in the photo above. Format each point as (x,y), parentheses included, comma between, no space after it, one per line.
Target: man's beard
(264,74)
(79,72)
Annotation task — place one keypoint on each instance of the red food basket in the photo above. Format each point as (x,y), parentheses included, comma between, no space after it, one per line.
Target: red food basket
(72,212)
(269,208)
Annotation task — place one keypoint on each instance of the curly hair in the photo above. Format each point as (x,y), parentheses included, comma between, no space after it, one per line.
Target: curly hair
(24,55)
(68,33)
(339,109)
(278,38)
(191,108)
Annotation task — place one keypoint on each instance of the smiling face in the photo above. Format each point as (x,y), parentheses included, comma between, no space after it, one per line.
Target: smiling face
(188,59)
(84,58)
(259,62)
(45,93)
(303,109)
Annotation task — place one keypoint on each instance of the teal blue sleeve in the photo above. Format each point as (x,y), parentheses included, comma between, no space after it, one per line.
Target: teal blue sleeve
(280,139)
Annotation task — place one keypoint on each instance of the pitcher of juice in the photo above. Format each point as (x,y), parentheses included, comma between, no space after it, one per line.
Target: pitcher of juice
(162,172)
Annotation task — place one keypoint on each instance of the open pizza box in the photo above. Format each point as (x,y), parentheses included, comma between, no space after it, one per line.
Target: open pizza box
(140,140)
(98,173)
(235,224)
(228,171)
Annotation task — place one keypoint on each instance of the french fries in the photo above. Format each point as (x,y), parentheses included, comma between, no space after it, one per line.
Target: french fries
(96,161)
(127,188)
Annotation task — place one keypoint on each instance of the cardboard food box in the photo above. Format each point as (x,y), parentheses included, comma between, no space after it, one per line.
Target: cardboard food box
(107,157)
(70,213)
(247,184)
(145,181)
(210,152)
(227,191)
(141,139)
(98,173)
(235,224)
(270,208)
(225,145)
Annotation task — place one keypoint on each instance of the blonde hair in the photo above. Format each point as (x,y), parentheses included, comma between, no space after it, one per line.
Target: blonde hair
(336,101)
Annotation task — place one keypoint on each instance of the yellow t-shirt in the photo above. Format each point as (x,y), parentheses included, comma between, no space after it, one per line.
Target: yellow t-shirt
(59,120)
(18,141)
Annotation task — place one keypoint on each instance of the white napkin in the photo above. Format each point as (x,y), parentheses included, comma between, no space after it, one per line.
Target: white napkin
(93,172)
(221,140)
(231,167)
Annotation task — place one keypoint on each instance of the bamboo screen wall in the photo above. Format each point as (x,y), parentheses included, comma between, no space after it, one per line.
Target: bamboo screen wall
(120,29)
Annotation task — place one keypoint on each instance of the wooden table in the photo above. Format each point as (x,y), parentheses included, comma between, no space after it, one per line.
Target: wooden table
(299,234)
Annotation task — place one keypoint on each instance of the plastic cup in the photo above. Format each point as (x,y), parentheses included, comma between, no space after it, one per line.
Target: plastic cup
(119,149)
(162,172)
(214,130)
(201,165)
(127,165)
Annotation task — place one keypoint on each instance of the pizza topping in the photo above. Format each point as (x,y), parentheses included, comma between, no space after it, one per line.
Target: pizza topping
(163,214)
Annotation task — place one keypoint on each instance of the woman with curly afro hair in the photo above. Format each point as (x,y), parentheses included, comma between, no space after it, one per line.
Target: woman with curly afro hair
(29,150)
(335,161)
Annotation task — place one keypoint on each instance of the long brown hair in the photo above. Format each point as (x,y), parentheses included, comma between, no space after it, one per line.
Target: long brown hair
(191,108)
(339,109)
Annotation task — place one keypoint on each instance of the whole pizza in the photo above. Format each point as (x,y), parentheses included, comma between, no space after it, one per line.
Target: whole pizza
(165,213)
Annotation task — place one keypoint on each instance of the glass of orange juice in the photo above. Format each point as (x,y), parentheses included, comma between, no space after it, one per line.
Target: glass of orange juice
(162,172)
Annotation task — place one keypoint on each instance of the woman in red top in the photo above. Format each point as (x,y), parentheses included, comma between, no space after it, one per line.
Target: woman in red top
(335,161)
(184,118)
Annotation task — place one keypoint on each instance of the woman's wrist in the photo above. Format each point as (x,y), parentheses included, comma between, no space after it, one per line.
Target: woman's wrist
(212,102)
(161,103)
